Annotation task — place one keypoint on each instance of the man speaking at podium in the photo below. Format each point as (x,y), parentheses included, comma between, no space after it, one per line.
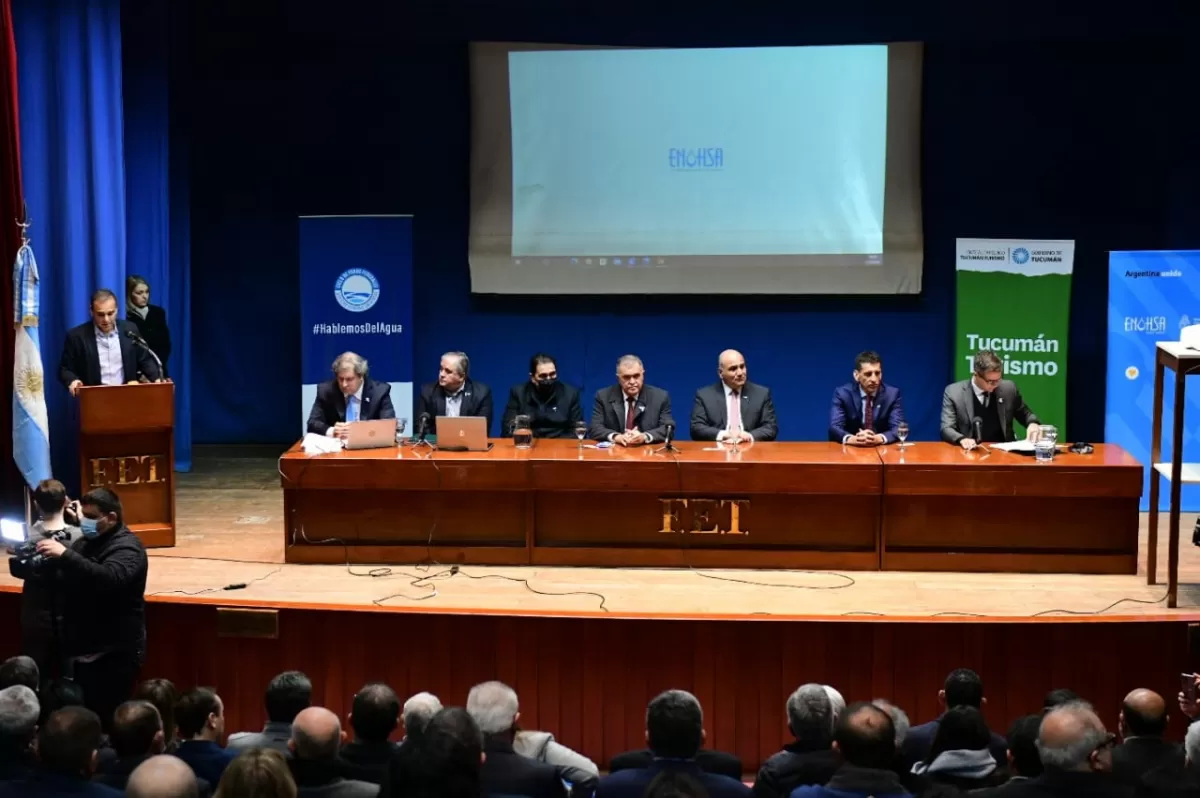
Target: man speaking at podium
(105,350)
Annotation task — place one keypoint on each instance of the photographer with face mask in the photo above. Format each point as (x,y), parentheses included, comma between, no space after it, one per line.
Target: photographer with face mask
(102,577)
(553,407)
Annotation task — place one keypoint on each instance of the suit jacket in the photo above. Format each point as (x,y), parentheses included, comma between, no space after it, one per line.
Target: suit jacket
(798,764)
(718,763)
(958,408)
(330,405)
(116,775)
(1137,756)
(553,417)
(154,329)
(45,784)
(608,413)
(275,735)
(476,401)
(710,412)
(1171,780)
(81,358)
(633,783)
(1065,784)
(206,759)
(846,413)
(505,772)
(366,761)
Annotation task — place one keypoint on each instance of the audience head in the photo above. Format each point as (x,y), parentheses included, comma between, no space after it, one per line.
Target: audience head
(1023,757)
(865,737)
(1058,697)
(674,725)
(960,729)
(963,688)
(288,695)
(810,713)
(163,695)
(1191,746)
(1143,714)
(50,496)
(836,701)
(899,718)
(675,784)
(103,308)
(418,711)
(375,713)
(200,715)
(137,730)
(494,708)
(444,762)
(101,512)
(316,735)
(69,740)
(162,776)
(59,694)
(1072,738)
(20,670)
(259,772)
(19,712)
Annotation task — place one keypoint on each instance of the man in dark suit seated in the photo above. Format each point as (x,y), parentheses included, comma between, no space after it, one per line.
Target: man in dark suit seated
(100,351)
(493,706)
(165,775)
(866,412)
(350,396)
(200,715)
(1142,723)
(67,747)
(808,760)
(19,710)
(1076,754)
(374,716)
(137,736)
(1176,778)
(962,688)
(733,407)
(991,399)
(552,406)
(631,413)
(866,740)
(1024,761)
(675,732)
(454,394)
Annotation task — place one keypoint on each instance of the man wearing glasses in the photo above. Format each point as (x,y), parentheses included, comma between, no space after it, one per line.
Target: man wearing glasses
(981,409)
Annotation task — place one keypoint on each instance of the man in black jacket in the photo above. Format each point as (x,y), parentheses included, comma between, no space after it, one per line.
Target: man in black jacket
(100,351)
(103,578)
(1142,723)
(810,759)
(454,394)
(552,406)
(137,735)
(493,706)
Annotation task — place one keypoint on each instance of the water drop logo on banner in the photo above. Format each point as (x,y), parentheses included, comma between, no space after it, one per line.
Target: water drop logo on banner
(1151,296)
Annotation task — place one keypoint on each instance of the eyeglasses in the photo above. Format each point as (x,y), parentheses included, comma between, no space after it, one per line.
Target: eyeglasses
(992,383)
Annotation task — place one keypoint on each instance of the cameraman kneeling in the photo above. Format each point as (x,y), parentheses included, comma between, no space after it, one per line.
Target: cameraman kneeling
(103,581)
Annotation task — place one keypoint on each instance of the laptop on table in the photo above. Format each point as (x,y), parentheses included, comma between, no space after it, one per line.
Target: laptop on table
(462,434)
(375,434)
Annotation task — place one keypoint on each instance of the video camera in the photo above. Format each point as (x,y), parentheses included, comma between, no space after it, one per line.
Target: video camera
(25,556)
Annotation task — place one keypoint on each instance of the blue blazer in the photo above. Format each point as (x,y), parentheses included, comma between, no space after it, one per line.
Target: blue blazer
(846,417)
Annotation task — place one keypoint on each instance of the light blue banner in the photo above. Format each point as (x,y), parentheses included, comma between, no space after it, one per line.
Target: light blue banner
(1151,296)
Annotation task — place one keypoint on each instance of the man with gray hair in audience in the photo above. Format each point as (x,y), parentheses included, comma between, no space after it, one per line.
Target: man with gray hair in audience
(494,708)
(19,712)
(809,758)
(418,711)
(1176,779)
(317,737)
(1076,754)
(164,776)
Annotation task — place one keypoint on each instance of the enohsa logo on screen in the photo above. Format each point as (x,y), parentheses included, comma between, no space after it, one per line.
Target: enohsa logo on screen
(697,160)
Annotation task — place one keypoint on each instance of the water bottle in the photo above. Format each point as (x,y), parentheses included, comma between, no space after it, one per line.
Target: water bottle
(1043,450)
(522,432)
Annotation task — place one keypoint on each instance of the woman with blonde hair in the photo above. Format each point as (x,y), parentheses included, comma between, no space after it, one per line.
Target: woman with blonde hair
(150,321)
(257,773)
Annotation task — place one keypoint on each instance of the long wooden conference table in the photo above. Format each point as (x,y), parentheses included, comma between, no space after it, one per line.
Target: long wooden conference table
(767,505)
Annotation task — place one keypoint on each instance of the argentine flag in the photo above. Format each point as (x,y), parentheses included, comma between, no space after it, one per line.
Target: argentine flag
(31,429)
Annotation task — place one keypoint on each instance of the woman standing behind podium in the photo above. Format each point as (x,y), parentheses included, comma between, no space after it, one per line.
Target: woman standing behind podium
(149,320)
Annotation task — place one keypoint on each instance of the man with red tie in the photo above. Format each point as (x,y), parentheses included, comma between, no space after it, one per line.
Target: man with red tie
(866,412)
(733,409)
(631,413)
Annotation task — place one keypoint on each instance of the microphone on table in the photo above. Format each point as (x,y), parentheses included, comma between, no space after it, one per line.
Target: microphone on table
(668,439)
(140,341)
(423,427)
(977,433)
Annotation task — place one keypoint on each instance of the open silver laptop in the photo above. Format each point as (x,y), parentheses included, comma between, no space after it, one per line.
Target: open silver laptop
(462,434)
(374,434)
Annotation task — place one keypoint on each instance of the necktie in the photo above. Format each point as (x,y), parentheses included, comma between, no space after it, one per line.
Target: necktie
(352,408)
(869,414)
(735,410)
(632,405)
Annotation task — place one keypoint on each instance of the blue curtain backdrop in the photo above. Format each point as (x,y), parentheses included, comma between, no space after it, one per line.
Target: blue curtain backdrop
(69,78)
(156,189)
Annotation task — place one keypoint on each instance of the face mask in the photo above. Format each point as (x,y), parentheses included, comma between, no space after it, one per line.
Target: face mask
(546,386)
(89,526)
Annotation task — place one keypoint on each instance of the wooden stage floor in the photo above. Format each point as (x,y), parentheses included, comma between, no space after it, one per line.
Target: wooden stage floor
(230,531)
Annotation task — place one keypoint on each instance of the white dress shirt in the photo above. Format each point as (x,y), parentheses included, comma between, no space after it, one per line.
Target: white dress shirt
(724,434)
(353,399)
(454,403)
(108,348)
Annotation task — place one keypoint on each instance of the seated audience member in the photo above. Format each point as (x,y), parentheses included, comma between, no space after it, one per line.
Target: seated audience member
(733,406)
(1176,778)
(809,759)
(287,696)
(866,412)
(630,413)
(136,736)
(901,724)
(1024,762)
(374,716)
(575,768)
(200,716)
(454,394)
(672,784)
(962,688)
(1058,697)
(163,695)
(67,747)
(866,741)
(257,773)
(1142,723)
(959,756)
(674,730)
(20,670)
(553,406)
(164,776)
(1076,754)
(350,396)
(316,738)
(418,710)
(444,761)
(494,708)
(19,712)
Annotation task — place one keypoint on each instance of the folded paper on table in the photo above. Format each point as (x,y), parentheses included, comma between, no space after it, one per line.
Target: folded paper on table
(1014,446)
(320,444)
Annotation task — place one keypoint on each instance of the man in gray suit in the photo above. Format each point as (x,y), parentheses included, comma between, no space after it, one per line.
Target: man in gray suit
(988,399)
(733,408)
(288,695)
(631,413)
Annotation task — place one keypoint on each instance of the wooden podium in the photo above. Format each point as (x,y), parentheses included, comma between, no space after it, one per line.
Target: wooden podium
(127,444)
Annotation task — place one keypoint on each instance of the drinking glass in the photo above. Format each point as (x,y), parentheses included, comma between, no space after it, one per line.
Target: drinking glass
(581,431)
(1043,450)
(902,433)
(735,436)
(522,432)
(401,423)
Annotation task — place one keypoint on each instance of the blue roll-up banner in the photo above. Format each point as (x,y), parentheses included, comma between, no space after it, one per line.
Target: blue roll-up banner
(356,296)
(1151,296)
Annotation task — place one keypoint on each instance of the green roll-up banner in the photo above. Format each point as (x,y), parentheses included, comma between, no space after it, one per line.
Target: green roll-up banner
(1014,297)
